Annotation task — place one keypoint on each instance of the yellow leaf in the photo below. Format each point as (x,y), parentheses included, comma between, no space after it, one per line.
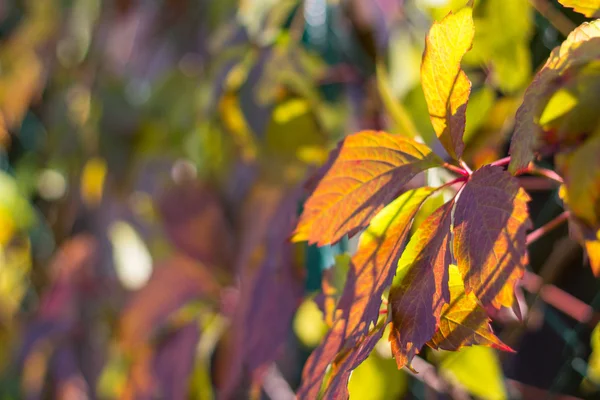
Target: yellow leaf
(445,84)
(92,181)
(309,325)
(589,8)
(377,378)
(478,370)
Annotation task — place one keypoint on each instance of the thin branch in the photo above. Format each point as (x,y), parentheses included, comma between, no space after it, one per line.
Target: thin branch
(558,20)
(466,167)
(548,173)
(501,162)
(542,230)
(455,169)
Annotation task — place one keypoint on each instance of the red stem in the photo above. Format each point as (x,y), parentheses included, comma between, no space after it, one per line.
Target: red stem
(456,169)
(548,173)
(383,312)
(542,230)
(501,162)
(466,167)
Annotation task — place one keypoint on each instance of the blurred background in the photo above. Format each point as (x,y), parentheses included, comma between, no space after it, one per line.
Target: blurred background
(151,161)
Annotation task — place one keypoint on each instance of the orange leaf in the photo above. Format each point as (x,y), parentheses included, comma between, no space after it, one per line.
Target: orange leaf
(490,224)
(463,321)
(373,266)
(371,271)
(417,302)
(445,84)
(589,8)
(367,171)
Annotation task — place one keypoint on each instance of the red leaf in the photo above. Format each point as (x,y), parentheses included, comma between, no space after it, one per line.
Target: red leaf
(174,283)
(366,174)
(490,225)
(463,321)
(194,220)
(371,271)
(341,369)
(417,302)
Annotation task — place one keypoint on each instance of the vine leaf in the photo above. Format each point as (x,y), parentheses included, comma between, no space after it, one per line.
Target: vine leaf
(417,302)
(371,270)
(581,46)
(368,171)
(490,224)
(589,8)
(445,84)
(463,321)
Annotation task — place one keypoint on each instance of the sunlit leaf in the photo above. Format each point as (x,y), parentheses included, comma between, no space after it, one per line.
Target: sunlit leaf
(581,171)
(581,46)
(490,226)
(377,378)
(589,8)
(478,370)
(463,321)
(308,324)
(417,302)
(366,173)
(445,84)
(371,271)
(332,285)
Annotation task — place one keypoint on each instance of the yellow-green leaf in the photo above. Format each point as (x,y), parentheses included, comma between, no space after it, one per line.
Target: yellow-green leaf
(445,84)
(589,8)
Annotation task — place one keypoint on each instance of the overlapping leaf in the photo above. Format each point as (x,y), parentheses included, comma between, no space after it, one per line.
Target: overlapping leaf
(371,271)
(373,266)
(581,46)
(445,84)
(417,302)
(581,172)
(589,8)
(490,224)
(368,171)
(463,321)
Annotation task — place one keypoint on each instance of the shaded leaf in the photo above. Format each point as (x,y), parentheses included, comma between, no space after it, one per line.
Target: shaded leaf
(463,321)
(371,271)
(174,283)
(581,172)
(581,46)
(194,220)
(373,266)
(490,228)
(417,302)
(589,8)
(341,369)
(445,84)
(366,173)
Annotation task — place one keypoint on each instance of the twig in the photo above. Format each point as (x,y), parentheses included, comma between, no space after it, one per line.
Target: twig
(558,20)
(542,230)
(501,162)
(548,173)
(456,169)
(466,167)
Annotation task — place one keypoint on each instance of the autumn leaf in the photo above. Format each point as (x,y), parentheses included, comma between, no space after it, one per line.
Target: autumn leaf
(417,302)
(174,283)
(367,172)
(581,172)
(194,220)
(341,369)
(490,224)
(581,46)
(371,271)
(463,321)
(589,8)
(445,84)
(373,266)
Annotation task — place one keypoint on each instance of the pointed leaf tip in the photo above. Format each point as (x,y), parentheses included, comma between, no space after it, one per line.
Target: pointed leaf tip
(445,84)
